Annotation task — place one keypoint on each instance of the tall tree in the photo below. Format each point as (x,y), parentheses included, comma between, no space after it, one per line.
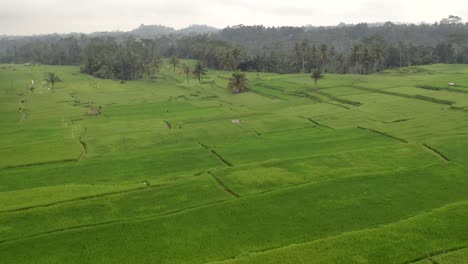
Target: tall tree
(186,71)
(355,56)
(52,78)
(316,76)
(298,58)
(199,71)
(402,47)
(301,52)
(174,62)
(365,60)
(377,51)
(323,56)
(305,51)
(238,82)
(153,66)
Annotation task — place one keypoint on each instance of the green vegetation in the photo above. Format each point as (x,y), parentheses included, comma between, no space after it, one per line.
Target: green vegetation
(199,71)
(238,82)
(316,76)
(158,169)
(51,78)
(359,48)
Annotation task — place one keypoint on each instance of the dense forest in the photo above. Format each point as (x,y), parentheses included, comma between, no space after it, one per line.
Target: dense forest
(362,48)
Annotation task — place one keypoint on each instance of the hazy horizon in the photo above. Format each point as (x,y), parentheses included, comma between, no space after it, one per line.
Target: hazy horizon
(27,17)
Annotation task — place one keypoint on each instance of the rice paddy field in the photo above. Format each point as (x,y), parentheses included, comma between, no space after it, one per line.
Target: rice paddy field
(364,169)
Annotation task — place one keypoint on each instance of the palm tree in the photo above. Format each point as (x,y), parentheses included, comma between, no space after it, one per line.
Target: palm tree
(236,57)
(186,71)
(153,66)
(51,78)
(365,60)
(402,50)
(378,55)
(199,71)
(149,46)
(304,53)
(316,76)
(238,82)
(301,52)
(355,56)
(174,62)
(323,56)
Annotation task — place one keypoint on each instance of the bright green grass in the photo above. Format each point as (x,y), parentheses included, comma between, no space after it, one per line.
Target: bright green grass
(279,173)
(455,257)
(118,205)
(28,198)
(257,223)
(399,242)
(366,169)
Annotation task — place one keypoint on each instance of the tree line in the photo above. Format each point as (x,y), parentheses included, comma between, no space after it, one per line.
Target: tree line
(360,49)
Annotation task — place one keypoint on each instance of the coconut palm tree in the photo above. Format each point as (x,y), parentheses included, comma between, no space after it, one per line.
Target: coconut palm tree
(238,82)
(316,76)
(199,71)
(51,78)
(355,56)
(323,56)
(174,62)
(153,66)
(186,71)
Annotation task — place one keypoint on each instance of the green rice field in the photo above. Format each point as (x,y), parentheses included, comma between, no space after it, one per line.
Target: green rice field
(364,169)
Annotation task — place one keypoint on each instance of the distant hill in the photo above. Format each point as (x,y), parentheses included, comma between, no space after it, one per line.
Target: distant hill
(160,30)
(198,29)
(152,30)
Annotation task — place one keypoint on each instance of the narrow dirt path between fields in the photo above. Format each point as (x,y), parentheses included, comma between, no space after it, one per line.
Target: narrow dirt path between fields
(168,125)
(223,160)
(436,254)
(397,121)
(436,152)
(316,98)
(22,109)
(286,130)
(84,147)
(265,94)
(74,200)
(39,164)
(339,100)
(221,183)
(409,96)
(460,109)
(315,122)
(383,134)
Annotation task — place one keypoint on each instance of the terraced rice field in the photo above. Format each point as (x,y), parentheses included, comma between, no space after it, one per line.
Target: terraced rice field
(366,169)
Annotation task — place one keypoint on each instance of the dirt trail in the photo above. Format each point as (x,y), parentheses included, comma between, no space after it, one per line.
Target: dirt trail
(461,109)
(436,152)
(168,125)
(88,197)
(22,108)
(339,100)
(315,122)
(227,163)
(383,134)
(39,163)
(226,189)
(84,150)
(409,96)
(436,254)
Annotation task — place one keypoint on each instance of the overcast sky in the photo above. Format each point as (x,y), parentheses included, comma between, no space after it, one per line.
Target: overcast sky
(21,17)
